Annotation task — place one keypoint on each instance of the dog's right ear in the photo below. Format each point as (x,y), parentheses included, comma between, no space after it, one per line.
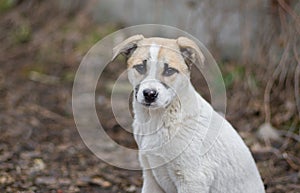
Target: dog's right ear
(127,47)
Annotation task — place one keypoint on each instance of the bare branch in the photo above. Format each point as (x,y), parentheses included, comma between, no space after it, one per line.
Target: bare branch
(297,78)
(271,82)
(291,12)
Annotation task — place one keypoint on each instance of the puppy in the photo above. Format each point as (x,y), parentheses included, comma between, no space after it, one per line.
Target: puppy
(184,145)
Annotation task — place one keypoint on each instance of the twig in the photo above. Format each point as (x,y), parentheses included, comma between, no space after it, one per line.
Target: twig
(291,12)
(293,136)
(288,134)
(290,161)
(294,186)
(285,29)
(297,78)
(271,82)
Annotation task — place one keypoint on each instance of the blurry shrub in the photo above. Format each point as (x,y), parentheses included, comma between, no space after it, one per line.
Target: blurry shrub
(95,35)
(233,75)
(22,34)
(6,5)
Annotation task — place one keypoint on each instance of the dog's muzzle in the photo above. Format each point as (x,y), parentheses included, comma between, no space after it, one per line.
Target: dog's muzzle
(150,95)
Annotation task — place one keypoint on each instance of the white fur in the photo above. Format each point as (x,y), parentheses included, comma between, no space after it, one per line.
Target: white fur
(150,82)
(186,147)
(154,50)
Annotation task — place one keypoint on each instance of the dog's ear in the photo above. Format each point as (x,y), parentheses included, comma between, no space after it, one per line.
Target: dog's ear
(190,51)
(127,47)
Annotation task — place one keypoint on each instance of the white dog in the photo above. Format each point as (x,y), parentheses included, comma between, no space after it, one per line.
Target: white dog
(185,146)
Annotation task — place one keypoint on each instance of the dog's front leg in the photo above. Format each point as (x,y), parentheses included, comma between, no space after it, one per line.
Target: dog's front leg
(149,185)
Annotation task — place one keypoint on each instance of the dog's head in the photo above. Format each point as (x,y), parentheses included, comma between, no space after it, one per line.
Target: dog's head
(158,68)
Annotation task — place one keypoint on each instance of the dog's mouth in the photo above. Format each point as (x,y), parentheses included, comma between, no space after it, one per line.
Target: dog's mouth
(155,105)
(149,105)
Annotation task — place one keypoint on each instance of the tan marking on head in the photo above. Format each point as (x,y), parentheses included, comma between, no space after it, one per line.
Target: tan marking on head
(141,53)
(169,53)
(173,58)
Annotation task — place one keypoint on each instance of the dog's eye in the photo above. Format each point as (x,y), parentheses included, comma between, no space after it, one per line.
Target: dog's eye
(169,71)
(141,68)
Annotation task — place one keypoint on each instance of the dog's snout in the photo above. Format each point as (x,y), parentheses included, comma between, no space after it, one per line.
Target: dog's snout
(150,95)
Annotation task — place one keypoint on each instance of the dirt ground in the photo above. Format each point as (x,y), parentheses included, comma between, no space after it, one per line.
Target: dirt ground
(40,148)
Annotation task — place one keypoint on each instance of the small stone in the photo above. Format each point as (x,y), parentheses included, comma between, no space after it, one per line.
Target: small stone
(5,179)
(38,165)
(101,182)
(106,184)
(30,154)
(83,181)
(9,189)
(74,189)
(131,188)
(64,181)
(45,180)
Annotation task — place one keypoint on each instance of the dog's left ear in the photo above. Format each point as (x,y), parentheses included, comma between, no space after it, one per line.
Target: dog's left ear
(127,47)
(190,51)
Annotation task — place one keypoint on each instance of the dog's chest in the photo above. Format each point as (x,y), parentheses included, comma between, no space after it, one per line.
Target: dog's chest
(163,128)
(158,129)
(170,133)
(156,135)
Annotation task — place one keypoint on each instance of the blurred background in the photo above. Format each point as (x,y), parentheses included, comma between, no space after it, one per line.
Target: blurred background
(255,43)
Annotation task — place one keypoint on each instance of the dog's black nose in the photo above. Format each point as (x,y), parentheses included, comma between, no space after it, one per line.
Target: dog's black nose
(150,95)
